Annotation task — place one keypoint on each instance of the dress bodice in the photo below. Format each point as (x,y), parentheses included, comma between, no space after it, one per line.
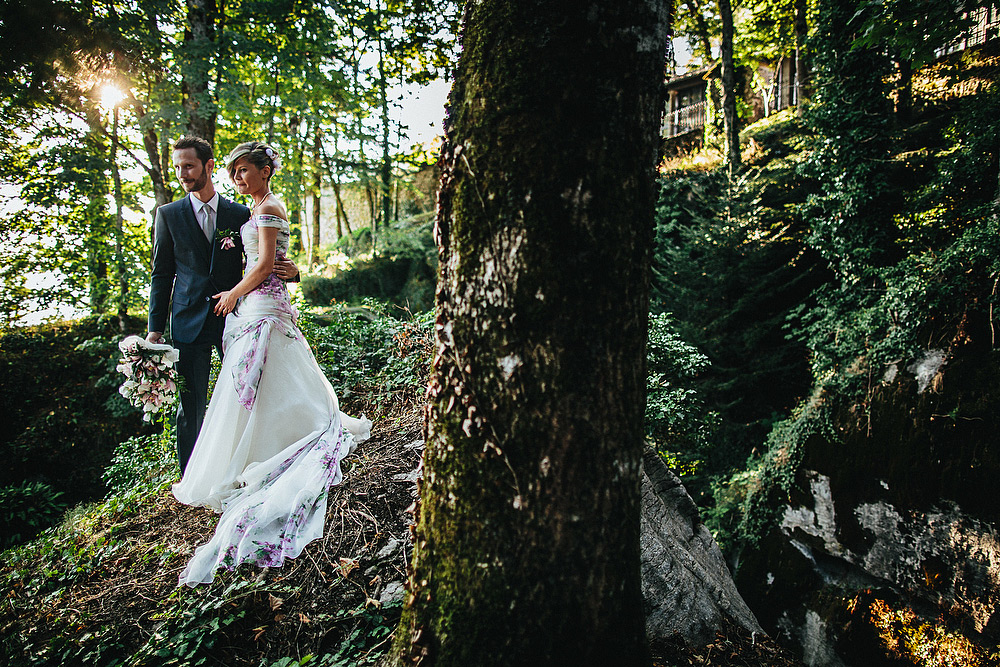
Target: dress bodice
(272,286)
(251,236)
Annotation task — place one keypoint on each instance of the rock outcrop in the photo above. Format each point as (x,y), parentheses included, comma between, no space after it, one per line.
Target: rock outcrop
(687,587)
(888,551)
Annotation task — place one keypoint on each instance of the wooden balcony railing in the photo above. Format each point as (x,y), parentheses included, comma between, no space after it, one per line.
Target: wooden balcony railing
(685,119)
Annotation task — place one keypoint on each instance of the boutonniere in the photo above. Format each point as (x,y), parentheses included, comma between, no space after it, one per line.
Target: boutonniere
(225,237)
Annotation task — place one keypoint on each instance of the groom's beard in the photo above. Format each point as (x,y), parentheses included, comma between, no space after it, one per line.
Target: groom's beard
(197,184)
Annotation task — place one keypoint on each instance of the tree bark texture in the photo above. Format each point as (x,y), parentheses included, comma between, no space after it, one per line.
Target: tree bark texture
(317,191)
(526,549)
(196,63)
(385,168)
(730,117)
(802,78)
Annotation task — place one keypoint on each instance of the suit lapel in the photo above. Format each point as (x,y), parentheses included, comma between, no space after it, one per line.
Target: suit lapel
(223,223)
(221,220)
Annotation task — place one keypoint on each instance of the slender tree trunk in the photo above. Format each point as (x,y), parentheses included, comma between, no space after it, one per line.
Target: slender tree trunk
(96,242)
(295,194)
(526,546)
(385,169)
(372,208)
(151,144)
(119,226)
(274,105)
(317,190)
(802,74)
(395,199)
(199,39)
(162,192)
(341,213)
(729,90)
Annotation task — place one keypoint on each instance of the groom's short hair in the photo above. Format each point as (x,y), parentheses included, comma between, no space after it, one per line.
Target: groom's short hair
(202,148)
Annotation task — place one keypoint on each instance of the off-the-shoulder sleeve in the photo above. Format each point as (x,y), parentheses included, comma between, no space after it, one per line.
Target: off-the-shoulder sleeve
(266,220)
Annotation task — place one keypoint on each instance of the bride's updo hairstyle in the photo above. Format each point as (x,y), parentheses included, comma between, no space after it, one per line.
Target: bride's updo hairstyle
(256,153)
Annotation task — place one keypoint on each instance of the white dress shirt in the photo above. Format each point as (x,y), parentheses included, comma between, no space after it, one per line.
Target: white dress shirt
(207,222)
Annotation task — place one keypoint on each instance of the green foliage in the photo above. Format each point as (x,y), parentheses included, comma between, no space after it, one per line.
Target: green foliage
(299,75)
(403,272)
(851,119)
(729,266)
(142,460)
(366,641)
(382,359)
(26,509)
(749,504)
(677,422)
(86,542)
(916,29)
(891,225)
(380,356)
(944,255)
(63,415)
(58,224)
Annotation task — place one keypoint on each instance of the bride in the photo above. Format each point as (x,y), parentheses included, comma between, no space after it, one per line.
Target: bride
(273,436)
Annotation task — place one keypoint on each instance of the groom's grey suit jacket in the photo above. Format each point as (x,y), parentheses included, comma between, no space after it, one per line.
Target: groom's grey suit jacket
(188,269)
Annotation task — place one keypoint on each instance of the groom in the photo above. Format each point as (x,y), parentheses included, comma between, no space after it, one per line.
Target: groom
(197,253)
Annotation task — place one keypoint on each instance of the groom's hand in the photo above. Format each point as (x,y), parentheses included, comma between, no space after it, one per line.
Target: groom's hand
(154,337)
(286,270)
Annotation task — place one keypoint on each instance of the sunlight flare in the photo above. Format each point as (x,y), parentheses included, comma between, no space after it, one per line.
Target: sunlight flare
(109,96)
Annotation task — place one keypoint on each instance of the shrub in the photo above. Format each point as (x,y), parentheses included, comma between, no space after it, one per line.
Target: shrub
(142,460)
(677,421)
(63,415)
(26,509)
(377,356)
(401,270)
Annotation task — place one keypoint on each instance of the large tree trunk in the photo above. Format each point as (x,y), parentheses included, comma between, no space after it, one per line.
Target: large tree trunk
(527,544)
(729,89)
(199,38)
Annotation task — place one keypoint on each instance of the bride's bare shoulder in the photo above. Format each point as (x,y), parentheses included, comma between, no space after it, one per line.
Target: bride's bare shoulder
(272,206)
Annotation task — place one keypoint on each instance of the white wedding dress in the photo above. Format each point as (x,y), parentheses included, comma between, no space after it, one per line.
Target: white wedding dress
(273,436)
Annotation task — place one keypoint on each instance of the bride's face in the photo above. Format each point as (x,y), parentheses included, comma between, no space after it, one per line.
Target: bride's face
(249,178)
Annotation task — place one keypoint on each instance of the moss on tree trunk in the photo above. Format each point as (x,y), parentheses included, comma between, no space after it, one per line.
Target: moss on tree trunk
(526,547)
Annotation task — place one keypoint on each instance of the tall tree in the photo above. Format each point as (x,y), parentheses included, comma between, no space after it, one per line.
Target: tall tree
(317,191)
(197,58)
(801,54)
(730,117)
(526,547)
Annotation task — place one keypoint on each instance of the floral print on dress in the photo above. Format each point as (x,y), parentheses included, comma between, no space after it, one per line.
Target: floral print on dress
(251,536)
(275,507)
(250,367)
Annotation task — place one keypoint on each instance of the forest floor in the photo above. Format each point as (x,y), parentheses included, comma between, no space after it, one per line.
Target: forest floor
(104,588)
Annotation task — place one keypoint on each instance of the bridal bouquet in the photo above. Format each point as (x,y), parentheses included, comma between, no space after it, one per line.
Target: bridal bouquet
(150,377)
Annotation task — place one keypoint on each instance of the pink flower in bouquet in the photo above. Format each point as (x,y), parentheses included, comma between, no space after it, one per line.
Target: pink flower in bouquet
(150,377)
